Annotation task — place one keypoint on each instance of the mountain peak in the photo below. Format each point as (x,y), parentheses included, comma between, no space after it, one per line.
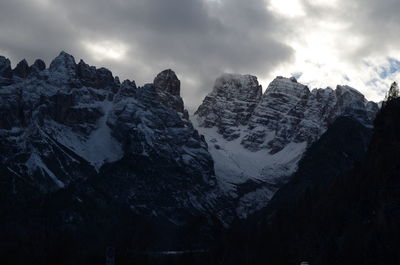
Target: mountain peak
(5,67)
(230,104)
(22,69)
(167,81)
(39,65)
(168,86)
(63,68)
(65,54)
(340,90)
(287,86)
(63,61)
(237,85)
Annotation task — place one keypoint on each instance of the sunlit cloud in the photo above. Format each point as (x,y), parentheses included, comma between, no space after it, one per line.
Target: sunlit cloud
(106,50)
(286,8)
(328,52)
(323,3)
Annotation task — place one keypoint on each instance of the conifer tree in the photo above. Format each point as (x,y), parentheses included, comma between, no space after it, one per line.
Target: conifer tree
(393,92)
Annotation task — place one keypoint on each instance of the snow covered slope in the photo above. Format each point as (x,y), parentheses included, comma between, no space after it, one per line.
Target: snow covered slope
(256,141)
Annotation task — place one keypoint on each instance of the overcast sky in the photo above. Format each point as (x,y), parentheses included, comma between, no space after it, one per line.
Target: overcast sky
(323,42)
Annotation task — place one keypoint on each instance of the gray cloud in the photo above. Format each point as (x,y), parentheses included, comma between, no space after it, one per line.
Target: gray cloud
(376,23)
(26,32)
(198,39)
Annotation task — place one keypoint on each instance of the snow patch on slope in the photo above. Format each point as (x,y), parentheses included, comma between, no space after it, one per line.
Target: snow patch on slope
(236,165)
(35,162)
(99,147)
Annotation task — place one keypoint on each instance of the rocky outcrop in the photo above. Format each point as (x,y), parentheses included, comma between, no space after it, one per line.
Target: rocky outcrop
(5,71)
(5,67)
(38,65)
(293,113)
(96,78)
(281,111)
(168,87)
(22,69)
(230,104)
(167,81)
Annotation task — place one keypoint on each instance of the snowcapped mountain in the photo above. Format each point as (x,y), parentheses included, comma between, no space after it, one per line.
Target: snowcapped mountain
(71,124)
(256,140)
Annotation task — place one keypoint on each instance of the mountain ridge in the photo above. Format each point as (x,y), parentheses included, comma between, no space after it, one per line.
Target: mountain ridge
(277,128)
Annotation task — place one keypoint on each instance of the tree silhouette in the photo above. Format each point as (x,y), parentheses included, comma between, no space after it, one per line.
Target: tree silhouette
(393,93)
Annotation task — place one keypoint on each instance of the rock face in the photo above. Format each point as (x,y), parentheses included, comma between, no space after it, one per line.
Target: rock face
(168,89)
(73,125)
(230,104)
(256,141)
(5,71)
(22,69)
(295,114)
(167,81)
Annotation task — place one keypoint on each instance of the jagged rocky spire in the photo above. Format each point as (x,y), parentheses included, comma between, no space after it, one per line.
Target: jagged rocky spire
(38,65)
(230,104)
(168,87)
(22,69)
(167,81)
(63,62)
(5,67)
